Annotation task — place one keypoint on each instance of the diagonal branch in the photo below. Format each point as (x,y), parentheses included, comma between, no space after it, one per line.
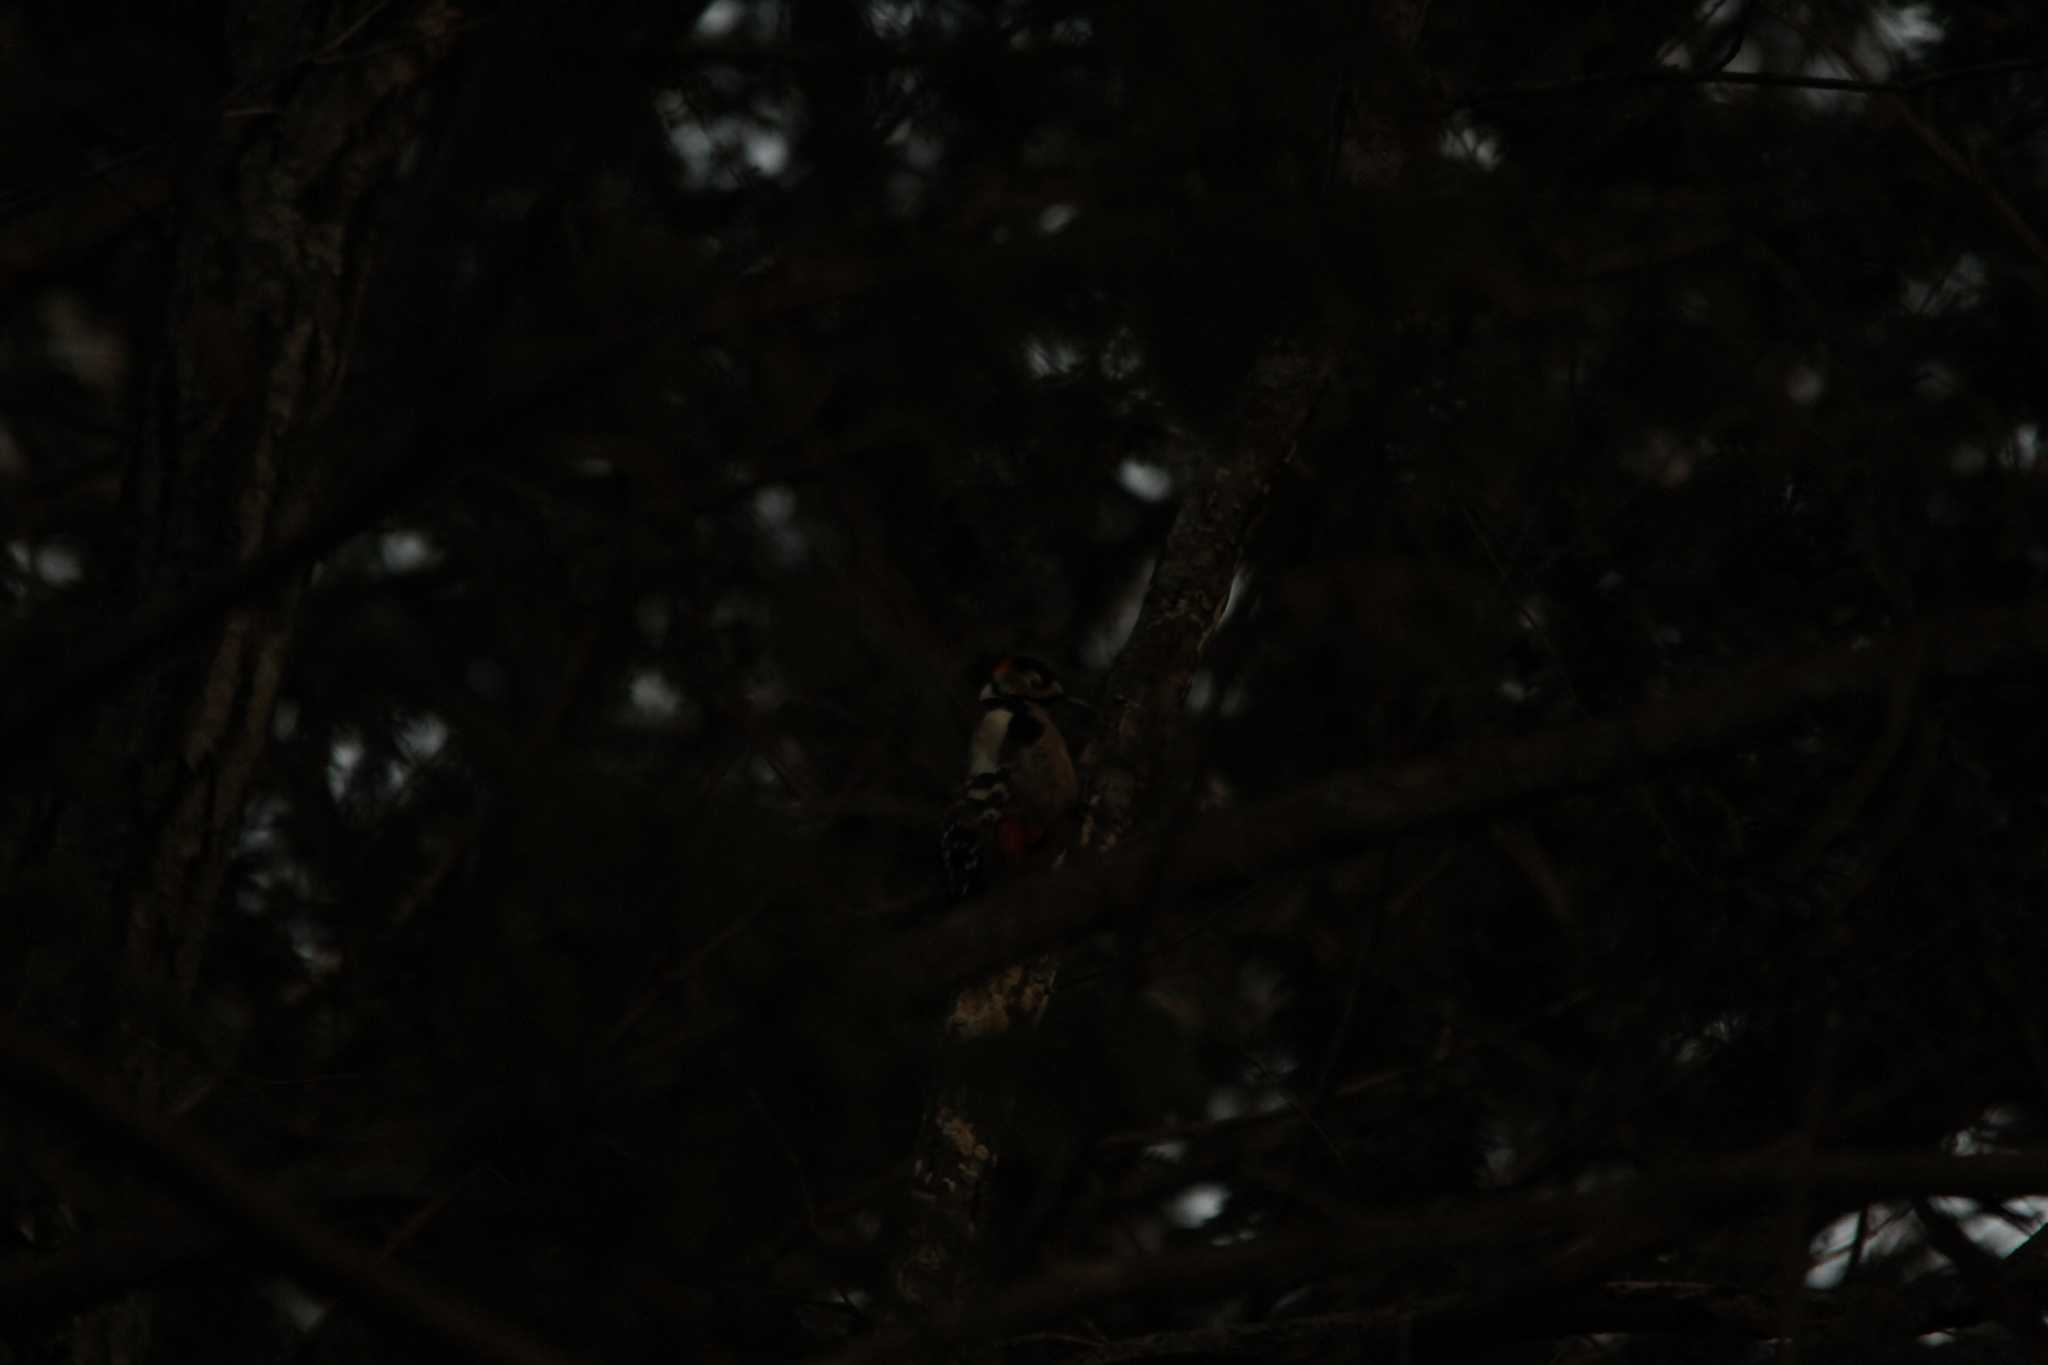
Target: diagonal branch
(1709,1311)
(1147,692)
(1353,807)
(65,1086)
(1862,84)
(1559,1245)
(960,1138)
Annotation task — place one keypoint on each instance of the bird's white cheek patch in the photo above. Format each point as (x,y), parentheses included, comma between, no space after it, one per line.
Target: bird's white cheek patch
(986,755)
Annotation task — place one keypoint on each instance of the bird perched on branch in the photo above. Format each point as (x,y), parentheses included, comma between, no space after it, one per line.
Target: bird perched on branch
(1019,796)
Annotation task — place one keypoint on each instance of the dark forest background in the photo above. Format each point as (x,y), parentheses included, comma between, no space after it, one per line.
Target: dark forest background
(506,510)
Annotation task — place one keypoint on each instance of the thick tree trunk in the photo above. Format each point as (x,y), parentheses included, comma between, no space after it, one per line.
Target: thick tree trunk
(961,1137)
(275,258)
(277,240)
(960,1140)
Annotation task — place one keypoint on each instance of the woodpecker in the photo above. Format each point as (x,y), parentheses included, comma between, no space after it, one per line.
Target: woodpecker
(1020,787)
(969,842)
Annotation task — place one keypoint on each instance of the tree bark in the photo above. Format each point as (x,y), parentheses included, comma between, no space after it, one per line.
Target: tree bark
(277,243)
(1347,809)
(959,1141)
(961,1137)
(1550,1249)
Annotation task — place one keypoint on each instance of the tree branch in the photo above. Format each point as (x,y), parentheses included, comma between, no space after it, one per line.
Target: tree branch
(1662,1306)
(1550,1241)
(51,1285)
(959,1139)
(76,218)
(66,1087)
(1146,699)
(1768,80)
(1350,808)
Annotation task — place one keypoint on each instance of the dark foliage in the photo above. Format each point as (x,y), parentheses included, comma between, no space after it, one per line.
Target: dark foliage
(734,380)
